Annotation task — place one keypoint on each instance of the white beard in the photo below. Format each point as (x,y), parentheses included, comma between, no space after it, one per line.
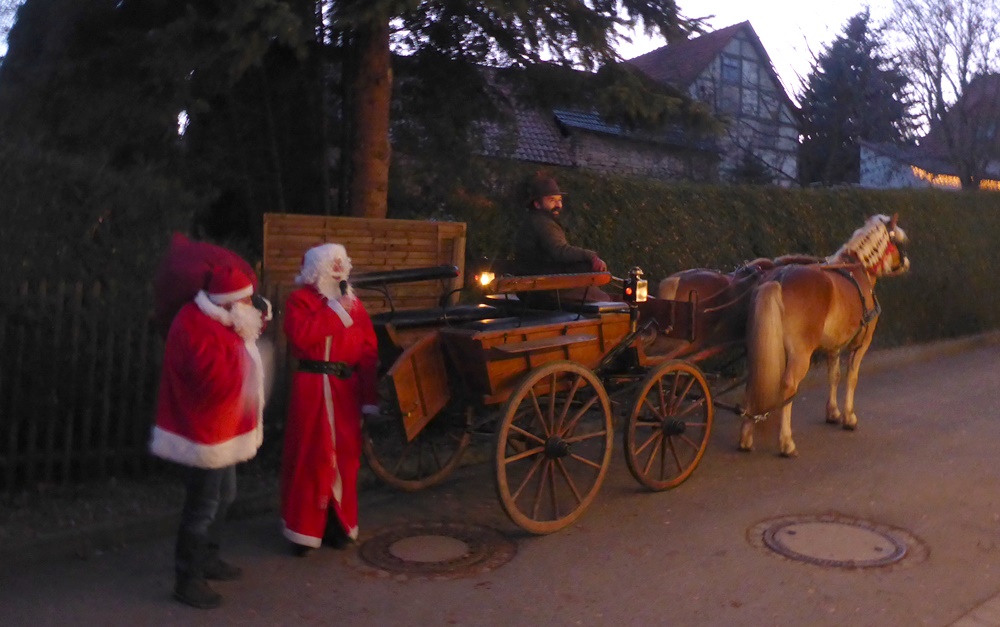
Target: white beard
(329,286)
(247,321)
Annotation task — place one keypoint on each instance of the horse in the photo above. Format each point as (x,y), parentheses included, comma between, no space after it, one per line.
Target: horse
(828,307)
(722,297)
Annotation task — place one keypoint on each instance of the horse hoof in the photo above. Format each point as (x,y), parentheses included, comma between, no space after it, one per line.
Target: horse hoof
(744,449)
(833,421)
(847,427)
(790,454)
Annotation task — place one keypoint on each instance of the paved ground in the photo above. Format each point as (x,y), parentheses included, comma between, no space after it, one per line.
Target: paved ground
(923,461)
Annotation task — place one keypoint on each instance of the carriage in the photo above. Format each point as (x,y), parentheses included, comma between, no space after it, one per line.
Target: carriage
(551,387)
(547,386)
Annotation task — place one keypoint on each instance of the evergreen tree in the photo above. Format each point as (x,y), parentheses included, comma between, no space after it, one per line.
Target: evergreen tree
(853,93)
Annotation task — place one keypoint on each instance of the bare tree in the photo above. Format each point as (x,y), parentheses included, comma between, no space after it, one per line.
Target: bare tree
(7,10)
(949,49)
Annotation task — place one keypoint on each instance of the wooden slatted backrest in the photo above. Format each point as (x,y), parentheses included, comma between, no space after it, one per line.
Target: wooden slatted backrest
(373,245)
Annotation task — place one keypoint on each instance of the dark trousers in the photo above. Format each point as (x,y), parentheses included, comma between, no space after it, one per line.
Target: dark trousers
(208,493)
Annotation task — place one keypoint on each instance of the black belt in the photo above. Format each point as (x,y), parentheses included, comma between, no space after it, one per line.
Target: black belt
(336,368)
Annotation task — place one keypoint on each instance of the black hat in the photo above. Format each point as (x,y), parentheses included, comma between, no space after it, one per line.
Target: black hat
(542,187)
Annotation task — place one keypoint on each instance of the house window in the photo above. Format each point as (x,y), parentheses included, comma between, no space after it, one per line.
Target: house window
(729,99)
(731,70)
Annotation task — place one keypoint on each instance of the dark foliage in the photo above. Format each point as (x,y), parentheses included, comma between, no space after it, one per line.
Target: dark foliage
(854,93)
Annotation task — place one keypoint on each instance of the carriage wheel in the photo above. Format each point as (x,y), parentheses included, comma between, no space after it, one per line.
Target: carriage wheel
(422,462)
(668,426)
(553,446)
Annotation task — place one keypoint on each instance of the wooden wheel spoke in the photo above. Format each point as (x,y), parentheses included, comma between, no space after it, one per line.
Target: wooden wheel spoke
(524,454)
(552,492)
(690,407)
(673,452)
(586,436)
(402,458)
(578,415)
(539,416)
(527,478)
(569,480)
(688,441)
(546,468)
(585,461)
(657,411)
(662,396)
(567,403)
(526,434)
(677,396)
(653,437)
(652,457)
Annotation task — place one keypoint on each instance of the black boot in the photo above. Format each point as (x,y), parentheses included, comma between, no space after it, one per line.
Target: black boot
(196,592)
(334,535)
(218,570)
(191,587)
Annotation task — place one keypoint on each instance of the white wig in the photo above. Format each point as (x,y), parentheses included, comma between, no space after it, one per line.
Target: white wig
(323,261)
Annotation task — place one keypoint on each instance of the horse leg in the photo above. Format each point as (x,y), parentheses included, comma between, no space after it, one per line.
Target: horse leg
(853,367)
(785,443)
(795,371)
(833,378)
(746,434)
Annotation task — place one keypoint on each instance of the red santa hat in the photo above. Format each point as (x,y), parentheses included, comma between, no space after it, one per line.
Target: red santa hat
(228,285)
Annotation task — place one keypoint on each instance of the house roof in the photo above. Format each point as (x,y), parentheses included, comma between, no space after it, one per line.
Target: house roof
(680,63)
(591,121)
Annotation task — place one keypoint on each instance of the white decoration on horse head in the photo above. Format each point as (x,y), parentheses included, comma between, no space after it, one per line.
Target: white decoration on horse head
(868,244)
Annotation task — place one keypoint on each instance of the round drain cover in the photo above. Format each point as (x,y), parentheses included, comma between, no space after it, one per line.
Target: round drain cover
(429,549)
(835,540)
(436,549)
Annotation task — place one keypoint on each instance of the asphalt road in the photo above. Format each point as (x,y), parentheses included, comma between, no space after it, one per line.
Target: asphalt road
(923,461)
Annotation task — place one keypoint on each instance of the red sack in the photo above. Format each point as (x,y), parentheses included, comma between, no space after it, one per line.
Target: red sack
(184,270)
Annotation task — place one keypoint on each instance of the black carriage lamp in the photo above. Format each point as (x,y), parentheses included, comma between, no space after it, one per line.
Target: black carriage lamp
(635,289)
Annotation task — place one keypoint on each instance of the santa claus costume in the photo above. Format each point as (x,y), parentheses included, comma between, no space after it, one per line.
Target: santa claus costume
(330,334)
(209,418)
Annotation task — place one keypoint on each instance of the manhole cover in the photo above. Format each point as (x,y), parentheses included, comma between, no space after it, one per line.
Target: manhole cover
(436,549)
(835,540)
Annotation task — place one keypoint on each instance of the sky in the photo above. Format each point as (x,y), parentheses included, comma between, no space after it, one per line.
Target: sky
(791,31)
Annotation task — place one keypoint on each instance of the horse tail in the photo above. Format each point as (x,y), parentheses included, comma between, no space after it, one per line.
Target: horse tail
(765,350)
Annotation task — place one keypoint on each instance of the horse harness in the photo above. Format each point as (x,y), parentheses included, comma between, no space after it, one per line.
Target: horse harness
(867,315)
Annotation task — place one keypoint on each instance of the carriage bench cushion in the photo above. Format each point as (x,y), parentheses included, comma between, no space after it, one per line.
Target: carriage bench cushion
(438,316)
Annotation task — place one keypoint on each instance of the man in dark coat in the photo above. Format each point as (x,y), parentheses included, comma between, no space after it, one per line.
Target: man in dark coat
(541,246)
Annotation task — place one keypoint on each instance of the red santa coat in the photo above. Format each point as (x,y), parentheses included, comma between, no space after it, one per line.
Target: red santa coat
(322,449)
(211,398)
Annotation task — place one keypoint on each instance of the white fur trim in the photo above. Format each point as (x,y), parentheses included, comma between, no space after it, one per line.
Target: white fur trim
(231,297)
(213,311)
(298,538)
(338,309)
(338,484)
(259,387)
(176,448)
